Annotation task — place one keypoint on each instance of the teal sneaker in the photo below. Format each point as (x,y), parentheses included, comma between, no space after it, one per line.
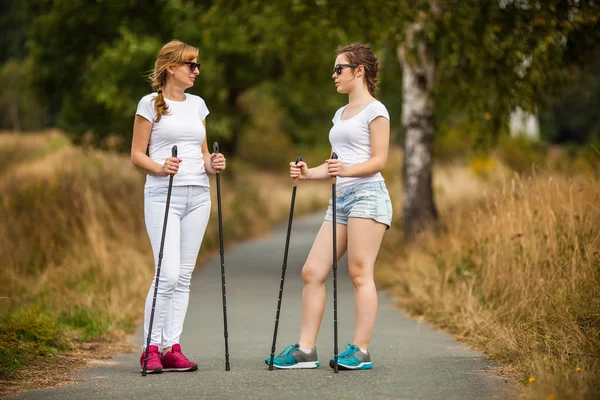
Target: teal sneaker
(293,358)
(352,358)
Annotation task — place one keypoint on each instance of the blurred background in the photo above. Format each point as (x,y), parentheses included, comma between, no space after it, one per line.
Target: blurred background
(80,66)
(511,92)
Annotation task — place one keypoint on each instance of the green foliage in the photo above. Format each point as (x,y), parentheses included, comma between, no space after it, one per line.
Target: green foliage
(90,59)
(14,25)
(127,63)
(93,324)
(574,118)
(26,334)
(66,39)
(579,159)
(454,140)
(21,107)
(521,154)
(262,141)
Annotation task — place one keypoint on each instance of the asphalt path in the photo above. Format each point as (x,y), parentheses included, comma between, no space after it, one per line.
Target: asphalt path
(411,360)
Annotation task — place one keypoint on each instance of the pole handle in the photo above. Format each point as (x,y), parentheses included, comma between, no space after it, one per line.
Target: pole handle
(216,151)
(174,151)
(295,181)
(334,156)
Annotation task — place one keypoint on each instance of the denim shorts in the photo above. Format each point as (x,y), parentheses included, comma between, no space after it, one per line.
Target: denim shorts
(369,200)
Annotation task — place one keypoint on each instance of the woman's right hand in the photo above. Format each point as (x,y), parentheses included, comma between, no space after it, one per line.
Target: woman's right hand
(298,171)
(171,166)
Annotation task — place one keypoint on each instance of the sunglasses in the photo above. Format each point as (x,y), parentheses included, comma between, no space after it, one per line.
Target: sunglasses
(338,68)
(193,65)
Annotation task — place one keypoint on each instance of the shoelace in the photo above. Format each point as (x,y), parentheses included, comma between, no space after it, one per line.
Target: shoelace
(285,351)
(350,349)
(153,356)
(180,356)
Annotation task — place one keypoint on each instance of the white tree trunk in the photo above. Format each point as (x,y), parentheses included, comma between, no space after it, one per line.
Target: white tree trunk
(418,74)
(523,123)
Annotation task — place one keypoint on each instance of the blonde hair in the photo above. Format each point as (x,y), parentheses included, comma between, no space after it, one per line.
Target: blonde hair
(173,53)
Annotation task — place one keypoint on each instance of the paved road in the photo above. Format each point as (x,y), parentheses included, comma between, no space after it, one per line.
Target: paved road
(411,360)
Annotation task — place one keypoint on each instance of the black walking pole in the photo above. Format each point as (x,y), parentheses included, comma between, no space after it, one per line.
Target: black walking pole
(160,255)
(335,322)
(284,266)
(225,334)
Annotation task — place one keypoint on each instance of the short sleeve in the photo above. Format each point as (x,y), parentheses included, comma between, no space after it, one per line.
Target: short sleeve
(203,110)
(377,110)
(146,108)
(338,115)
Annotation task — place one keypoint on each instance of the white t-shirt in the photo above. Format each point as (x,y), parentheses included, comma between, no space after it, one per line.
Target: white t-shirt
(181,126)
(351,140)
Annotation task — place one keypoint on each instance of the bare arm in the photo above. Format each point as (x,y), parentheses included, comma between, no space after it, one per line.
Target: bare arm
(319,172)
(380,143)
(141,137)
(302,172)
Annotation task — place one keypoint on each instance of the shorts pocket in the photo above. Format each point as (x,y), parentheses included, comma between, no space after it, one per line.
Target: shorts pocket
(364,194)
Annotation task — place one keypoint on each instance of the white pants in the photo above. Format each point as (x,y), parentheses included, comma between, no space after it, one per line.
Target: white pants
(189,211)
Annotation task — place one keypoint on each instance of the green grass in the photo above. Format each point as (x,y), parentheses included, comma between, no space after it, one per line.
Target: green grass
(26,334)
(90,324)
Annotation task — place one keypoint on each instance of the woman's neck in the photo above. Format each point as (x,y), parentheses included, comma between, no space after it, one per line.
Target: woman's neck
(172,92)
(360,95)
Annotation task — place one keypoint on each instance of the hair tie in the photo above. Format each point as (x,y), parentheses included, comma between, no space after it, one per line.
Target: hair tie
(159,92)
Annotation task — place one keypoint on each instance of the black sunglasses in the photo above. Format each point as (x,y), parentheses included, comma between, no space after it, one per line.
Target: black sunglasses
(338,67)
(193,65)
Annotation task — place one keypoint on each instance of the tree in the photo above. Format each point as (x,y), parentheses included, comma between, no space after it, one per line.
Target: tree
(66,39)
(482,59)
(14,25)
(418,80)
(487,58)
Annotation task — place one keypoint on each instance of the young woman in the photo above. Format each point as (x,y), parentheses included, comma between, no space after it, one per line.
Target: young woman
(360,137)
(163,119)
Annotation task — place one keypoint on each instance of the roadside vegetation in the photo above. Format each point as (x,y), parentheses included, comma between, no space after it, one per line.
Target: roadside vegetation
(514,268)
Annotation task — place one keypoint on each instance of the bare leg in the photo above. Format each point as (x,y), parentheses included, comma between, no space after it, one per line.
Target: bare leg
(364,240)
(315,271)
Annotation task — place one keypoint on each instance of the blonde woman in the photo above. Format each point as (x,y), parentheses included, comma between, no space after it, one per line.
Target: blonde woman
(165,118)
(360,137)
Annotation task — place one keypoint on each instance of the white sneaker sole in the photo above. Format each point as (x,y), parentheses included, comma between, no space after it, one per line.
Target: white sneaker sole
(152,371)
(300,365)
(365,365)
(194,368)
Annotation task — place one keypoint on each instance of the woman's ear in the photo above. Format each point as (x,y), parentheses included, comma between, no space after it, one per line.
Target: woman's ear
(360,70)
(171,69)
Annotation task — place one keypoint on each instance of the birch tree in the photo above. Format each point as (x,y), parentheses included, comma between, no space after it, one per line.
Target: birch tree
(418,79)
(480,58)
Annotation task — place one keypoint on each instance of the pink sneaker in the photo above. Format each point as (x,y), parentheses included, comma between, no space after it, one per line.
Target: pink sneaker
(174,360)
(154,365)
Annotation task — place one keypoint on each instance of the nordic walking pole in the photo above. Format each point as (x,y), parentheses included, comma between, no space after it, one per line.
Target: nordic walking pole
(335,322)
(225,334)
(284,266)
(160,255)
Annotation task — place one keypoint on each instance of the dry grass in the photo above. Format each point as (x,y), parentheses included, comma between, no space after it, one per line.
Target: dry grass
(516,272)
(42,373)
(74,247)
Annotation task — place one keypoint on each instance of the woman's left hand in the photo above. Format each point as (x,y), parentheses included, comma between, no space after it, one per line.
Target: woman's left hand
(335,167)
(218,161)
